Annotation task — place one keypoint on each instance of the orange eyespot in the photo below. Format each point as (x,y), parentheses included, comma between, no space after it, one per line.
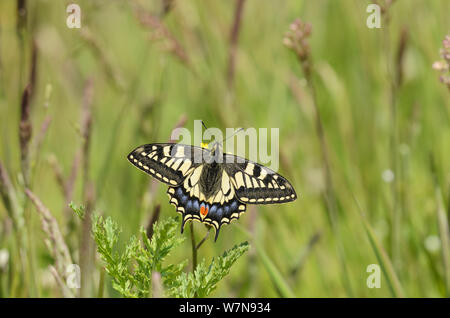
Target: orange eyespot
(203,210)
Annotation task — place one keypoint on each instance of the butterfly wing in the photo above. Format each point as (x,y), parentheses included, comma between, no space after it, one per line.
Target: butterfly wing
(256,184)
(179,166)
(191,208)
(167,162)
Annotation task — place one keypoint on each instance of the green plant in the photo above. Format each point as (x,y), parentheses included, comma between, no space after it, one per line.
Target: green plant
(88,95)
(133,269)
(205,278)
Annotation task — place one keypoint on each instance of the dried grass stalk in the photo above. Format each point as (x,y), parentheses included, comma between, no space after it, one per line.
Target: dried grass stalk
(25,125)
(158,31)
(54,241)
(234,36)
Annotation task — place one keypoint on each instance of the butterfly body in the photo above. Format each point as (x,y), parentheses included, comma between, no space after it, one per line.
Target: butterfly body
(209,186)
(210,179)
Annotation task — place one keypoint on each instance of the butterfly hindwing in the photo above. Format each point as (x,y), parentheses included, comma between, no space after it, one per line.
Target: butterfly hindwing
(256,184)
(214,214)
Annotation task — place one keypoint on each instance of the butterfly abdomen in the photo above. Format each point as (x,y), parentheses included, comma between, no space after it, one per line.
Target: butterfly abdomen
(210,179)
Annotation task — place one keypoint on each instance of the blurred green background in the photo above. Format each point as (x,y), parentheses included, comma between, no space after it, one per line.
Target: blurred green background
(143,67)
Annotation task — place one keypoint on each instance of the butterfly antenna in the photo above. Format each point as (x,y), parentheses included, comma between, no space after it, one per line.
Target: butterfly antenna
(235,133)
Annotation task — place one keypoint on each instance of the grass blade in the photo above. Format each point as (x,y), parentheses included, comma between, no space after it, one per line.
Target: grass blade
(277,279)
(445,238)
(386,265)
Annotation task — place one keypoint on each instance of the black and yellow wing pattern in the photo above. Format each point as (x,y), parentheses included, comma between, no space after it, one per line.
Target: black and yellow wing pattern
(208,186)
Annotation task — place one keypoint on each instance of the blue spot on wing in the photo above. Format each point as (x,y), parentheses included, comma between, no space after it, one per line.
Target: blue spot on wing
(195,205)
(219,213)
(189,206)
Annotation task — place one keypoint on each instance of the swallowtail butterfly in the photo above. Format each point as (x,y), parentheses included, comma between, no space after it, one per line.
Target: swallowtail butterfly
(210,186)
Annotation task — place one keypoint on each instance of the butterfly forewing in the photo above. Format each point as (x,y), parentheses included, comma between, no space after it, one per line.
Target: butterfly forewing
(256,184)
(169,163)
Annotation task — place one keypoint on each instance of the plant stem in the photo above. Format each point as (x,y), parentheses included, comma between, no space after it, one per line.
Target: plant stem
(394,83)
(101,283)
(86,252)
(234,35)
(194,251)
(194,248)
(330,196)
(443,225)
